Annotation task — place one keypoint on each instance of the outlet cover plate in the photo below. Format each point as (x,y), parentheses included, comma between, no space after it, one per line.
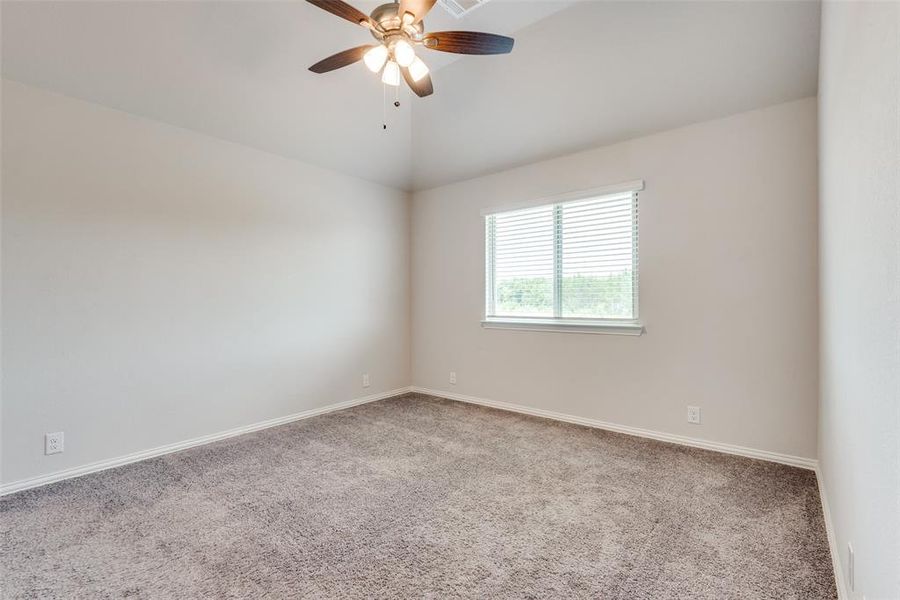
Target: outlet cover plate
(53,443)
(851,567)
(693,415)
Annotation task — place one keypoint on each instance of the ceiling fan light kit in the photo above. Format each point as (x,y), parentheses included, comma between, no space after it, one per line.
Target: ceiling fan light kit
(375,58)
(404,53)
(399,28)
(391,74)
(418,69)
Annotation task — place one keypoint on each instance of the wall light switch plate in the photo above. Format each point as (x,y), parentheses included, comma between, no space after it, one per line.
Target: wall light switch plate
(53,442)
(694,414)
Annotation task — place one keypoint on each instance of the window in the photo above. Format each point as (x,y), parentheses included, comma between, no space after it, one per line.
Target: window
(567,265)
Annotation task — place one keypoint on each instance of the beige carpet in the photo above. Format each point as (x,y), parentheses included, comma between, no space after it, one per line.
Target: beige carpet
(417,497)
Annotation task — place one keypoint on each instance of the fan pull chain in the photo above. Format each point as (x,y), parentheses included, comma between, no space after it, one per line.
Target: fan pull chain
(384,88)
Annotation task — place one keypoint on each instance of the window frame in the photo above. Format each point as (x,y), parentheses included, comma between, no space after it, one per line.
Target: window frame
(632,326)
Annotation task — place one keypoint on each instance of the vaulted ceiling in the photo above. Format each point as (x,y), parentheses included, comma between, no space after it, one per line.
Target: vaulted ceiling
(602,72)
(582,74)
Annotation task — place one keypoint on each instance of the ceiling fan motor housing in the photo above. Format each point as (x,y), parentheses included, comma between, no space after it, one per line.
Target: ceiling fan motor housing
(388,18)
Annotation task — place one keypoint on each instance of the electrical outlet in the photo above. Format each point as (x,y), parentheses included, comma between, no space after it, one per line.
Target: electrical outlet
(850,567)
(453,377)
(694,414)
(366,381)
(53,442)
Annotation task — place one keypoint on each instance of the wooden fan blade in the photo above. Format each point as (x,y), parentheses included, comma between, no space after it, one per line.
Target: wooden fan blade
(343,10)
(341,59)
(418,8)
(469,42)
(422,87)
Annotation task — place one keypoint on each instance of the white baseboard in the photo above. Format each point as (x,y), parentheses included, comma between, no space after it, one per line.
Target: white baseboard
(24,484)
(843,594)
(786,459)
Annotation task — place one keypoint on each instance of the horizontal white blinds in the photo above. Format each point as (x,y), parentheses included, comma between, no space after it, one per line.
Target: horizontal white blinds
(569,260)
(523,251)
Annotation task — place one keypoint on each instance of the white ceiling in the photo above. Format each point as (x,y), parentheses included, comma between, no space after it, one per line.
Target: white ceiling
(601,72)
(234,70)
(582,74)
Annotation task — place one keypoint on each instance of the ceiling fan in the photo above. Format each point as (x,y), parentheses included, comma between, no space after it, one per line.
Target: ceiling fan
(398,28)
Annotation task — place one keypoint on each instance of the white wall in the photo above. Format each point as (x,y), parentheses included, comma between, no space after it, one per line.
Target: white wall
(160,285)
(728,287)
(859,422)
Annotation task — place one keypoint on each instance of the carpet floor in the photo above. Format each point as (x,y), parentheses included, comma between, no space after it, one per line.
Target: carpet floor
(416,497)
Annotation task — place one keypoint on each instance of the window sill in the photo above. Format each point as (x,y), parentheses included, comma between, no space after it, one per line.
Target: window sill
(565,326)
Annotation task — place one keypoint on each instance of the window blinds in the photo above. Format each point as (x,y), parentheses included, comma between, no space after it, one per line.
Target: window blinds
(574,259)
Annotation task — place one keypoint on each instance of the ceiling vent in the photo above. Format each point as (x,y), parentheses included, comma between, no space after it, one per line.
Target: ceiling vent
(460,8)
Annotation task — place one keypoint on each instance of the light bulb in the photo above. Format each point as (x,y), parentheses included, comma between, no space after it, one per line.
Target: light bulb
(404,53)
(391,75)
(418,69)
(375,58)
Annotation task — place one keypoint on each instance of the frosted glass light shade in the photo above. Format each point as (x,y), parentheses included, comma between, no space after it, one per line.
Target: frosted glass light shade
(375,58)
(391,75)
(404,53)
(418,69)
